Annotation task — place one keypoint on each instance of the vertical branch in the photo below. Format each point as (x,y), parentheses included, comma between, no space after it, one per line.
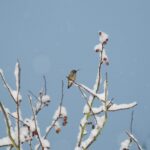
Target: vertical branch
(8,127)
(83,94)
(98,78)
(62,96)
(106,94)
(7,86)
(58,117)
(131,124)
(103,118)
(17,73)
(60,105)
(45,86)
(30,145)
(91,99)
(35,123)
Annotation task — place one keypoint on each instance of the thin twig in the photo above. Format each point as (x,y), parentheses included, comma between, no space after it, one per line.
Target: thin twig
(91,98)
(106,96)
(105,114)
(7,87)
(11,147)
(62,95)
(58,117)
(38,100)
(34,95)
(131,125)
(30,145)
(60,105)
(135,140)
(8,127)
(88,90)
(83,94)
(34,118)
(132,119)
(45,86)
(18,103)
(21,121)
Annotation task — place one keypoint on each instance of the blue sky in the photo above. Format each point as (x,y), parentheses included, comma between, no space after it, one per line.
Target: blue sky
(52,37)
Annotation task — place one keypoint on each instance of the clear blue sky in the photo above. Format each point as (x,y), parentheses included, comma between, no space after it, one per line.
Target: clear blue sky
(51,37)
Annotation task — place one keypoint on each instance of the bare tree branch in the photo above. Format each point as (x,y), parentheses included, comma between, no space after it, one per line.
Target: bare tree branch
(131,124)
(45,86)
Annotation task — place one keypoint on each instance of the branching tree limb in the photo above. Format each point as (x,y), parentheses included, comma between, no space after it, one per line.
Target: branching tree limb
(8,127)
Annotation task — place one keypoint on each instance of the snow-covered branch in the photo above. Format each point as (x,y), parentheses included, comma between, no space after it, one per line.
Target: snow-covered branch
(25,130)
(8,124)
(83,142)
(113,107)
(59,115)
(132,137)
(94,115)
(127,143)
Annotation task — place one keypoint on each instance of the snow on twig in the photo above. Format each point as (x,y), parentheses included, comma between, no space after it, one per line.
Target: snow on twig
(36,130)
(8,128)
(135,140)
(114,107)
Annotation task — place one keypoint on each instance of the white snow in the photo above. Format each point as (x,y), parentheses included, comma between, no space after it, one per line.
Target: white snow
(125,144)
(16,73)
(24,133)
(103,37)
(135,140)
(94,132)
(45,98)
(102,96)
(42,102)
(105,57)
(100,123)
(5,141)
(86,109)
(57,112)
(14,114)
(14,94)
(98,47)
(45,143)
(1,71)
(86,142)
(92,92)
(83,121)
(30,123)
(57,125)
(115,107)
(78,148)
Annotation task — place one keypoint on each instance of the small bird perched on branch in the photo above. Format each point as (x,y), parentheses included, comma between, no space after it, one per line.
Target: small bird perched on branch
(71,77)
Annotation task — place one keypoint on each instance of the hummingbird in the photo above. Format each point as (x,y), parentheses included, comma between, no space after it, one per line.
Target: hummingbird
(71,77)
